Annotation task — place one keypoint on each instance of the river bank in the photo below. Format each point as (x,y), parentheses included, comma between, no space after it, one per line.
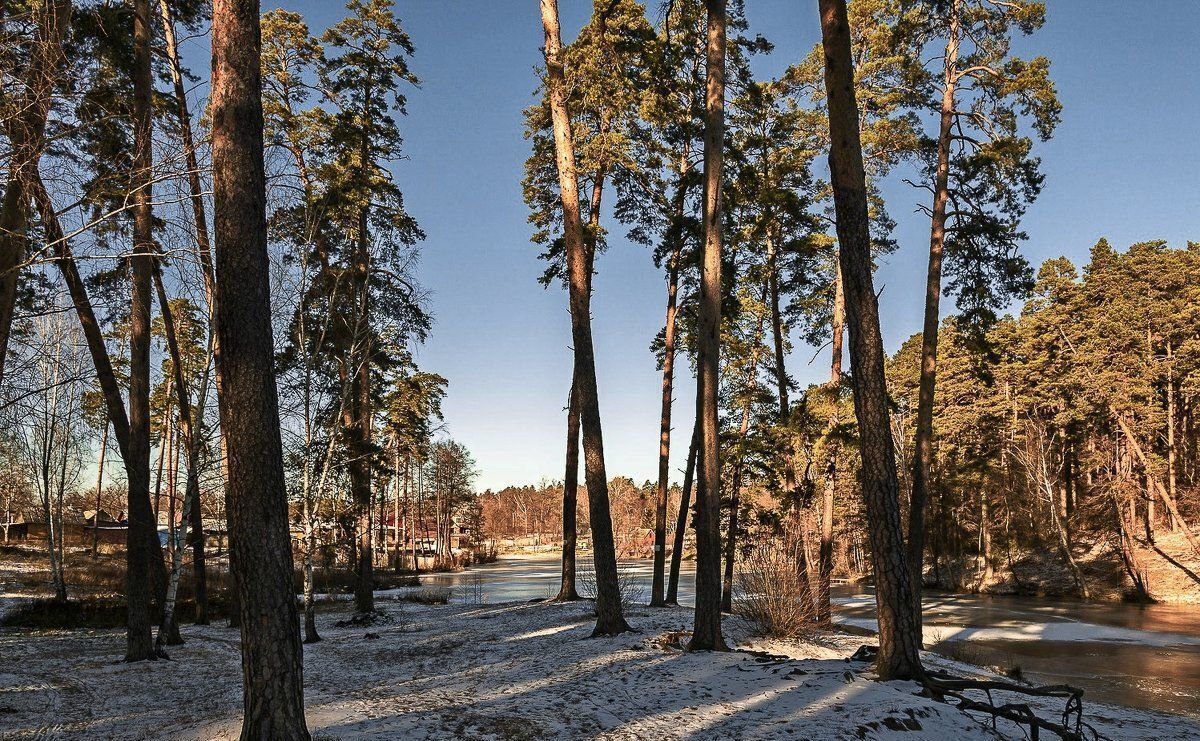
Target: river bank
(508,671)
(1141,655)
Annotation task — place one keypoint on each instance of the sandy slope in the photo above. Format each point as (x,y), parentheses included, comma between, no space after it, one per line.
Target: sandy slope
(516,671)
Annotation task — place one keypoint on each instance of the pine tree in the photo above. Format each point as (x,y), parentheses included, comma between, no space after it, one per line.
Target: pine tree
(899,628)
(610,620)
(260,546)
(982,177)
(605,73)
(706,633)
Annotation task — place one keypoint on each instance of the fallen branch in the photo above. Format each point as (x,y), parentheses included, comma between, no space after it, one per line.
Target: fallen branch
(1071,727)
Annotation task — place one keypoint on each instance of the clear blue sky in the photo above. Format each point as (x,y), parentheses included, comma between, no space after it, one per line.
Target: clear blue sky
(1125,164)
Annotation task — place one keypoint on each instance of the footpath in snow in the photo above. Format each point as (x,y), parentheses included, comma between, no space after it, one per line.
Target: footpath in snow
(513,671)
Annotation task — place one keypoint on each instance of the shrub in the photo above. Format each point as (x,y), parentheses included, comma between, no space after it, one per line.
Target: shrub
(631,589)
(428,596)
(768,593)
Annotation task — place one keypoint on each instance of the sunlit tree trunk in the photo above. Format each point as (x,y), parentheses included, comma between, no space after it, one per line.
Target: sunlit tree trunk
(1153,484)
(706,633)
(899,629)
(260,546)
(610,620)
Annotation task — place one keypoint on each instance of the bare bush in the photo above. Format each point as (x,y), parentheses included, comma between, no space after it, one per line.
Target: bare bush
(769,593)
(632,590)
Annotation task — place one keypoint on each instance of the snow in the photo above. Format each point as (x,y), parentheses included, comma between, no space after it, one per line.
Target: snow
(509,671)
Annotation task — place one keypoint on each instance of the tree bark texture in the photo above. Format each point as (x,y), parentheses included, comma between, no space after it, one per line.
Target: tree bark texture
(610,620)
(899,630)
(706,632)
(256,496)
(681,517)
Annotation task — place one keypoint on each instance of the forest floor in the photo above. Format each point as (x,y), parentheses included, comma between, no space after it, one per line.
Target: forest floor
(509,671)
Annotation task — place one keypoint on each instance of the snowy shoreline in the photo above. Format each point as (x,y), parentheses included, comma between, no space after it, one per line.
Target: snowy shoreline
(514,671)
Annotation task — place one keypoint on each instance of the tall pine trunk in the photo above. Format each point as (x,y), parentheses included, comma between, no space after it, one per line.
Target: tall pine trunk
(203,249)
(142,548)
(706,632)
(567,591)
(657,596)
(610,620)
(829,489)
(360,407)
(923,444)
(260,546)
(735,486)
(899,629)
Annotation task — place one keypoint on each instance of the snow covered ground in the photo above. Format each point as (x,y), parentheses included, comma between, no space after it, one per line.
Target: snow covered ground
(513,671)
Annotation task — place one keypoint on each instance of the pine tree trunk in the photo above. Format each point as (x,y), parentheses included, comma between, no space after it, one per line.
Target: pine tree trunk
(567,591)
(260,546)
(681,517)
(1153,484)
(203,248)
(899,629)
(1172,451)
(735,502)
(825,555)
(310,603)
(790,486)
(838,322)
(706,633)
(191,502)
(419,521)
(923,444)
(735,494)
(143,548)
(657,585)
(610,620)
(360,466)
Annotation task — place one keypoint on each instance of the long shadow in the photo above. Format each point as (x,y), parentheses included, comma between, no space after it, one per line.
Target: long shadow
(654,691)
(1191,574)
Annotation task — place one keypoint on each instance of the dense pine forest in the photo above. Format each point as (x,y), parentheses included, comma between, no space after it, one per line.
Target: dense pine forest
(222,441)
